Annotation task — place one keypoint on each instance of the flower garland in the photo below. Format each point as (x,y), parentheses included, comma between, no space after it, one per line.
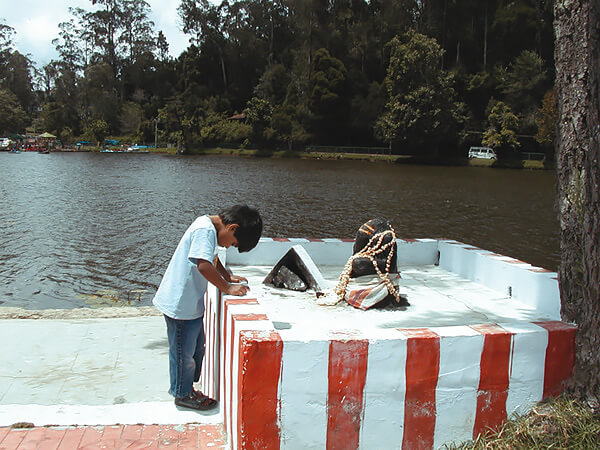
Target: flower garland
(374,247)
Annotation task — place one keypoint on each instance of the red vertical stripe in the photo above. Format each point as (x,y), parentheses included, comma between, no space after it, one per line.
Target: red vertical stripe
(259,370)
(234,363)
(493,379)
(422,371)
(346,375)
(560,356)
(228,355)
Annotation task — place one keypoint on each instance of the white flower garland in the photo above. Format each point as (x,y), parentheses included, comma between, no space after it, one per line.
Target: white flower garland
(374,247)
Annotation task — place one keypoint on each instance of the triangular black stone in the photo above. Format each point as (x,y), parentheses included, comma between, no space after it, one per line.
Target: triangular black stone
(298,262)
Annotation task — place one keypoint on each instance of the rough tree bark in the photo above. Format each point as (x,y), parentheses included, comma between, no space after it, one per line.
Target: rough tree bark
(577,59)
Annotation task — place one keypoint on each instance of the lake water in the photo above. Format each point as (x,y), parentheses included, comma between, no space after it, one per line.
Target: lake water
(98,229)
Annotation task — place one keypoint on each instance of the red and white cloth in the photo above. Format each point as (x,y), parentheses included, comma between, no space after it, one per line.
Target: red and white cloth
(366,292)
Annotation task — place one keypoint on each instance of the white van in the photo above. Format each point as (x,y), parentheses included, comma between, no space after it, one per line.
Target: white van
(482,152)
(5,142)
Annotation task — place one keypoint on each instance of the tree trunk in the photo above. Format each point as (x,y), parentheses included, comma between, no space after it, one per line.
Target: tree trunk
(485,35)
(577,62)
(223,71)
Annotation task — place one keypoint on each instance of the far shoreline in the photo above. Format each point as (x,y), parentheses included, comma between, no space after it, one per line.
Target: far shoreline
(391,159)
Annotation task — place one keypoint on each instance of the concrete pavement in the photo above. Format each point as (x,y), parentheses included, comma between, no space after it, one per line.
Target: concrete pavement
(98,371)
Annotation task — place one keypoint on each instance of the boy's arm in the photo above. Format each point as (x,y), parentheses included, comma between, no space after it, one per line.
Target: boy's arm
(222,270)
(227,274)
(213,276)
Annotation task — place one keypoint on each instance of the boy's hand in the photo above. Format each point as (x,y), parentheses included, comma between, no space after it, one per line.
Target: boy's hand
(237,279)
(237,289)
(226,284)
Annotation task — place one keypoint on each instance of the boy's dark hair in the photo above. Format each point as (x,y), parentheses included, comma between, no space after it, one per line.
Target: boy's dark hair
(250,225)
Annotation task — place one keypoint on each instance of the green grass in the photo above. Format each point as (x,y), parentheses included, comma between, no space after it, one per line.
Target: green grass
(556,424)
(163,150)
(480,162)
(297,154)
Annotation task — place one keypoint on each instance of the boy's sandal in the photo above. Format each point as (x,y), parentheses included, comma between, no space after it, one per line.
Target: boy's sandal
(194,403)
(204,400)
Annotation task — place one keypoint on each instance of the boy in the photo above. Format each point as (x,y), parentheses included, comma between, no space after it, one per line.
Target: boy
(180,296)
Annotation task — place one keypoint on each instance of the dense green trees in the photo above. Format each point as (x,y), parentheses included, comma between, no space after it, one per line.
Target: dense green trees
(422,111)
(418,76)
(12,116)
(502,132)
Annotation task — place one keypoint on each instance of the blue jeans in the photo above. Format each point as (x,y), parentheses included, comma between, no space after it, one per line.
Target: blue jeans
(186,350)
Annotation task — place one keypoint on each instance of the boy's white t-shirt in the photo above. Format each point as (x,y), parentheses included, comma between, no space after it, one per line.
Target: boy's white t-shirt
(181,291)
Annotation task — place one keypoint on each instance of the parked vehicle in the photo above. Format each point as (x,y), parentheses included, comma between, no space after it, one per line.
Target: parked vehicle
(482,152)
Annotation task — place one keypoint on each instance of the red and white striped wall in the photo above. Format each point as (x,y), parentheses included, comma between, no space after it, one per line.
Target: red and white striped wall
(410,388)
(382,388)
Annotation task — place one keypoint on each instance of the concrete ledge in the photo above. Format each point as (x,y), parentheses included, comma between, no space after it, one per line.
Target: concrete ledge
(532,285)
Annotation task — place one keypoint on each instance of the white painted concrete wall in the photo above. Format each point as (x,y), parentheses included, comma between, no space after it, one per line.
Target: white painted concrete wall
(531,285)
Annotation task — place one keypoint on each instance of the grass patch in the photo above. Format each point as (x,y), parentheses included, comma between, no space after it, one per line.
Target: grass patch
(534,164)
(168,151)
(480,162)
(556,424)
(296,154)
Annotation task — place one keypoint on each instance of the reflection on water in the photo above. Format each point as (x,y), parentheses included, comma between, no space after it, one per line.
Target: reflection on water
(82,229)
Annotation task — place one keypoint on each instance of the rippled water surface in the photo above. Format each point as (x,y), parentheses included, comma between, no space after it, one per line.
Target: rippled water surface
(85,229)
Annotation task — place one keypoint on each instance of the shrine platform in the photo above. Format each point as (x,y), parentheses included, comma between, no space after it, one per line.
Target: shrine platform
(481,340)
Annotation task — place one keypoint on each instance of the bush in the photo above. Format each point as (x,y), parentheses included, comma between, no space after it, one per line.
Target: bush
(226,131)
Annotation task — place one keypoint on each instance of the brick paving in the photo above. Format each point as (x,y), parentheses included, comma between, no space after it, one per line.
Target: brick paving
(190,436)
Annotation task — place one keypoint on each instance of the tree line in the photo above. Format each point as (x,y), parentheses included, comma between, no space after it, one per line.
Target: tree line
(411,75)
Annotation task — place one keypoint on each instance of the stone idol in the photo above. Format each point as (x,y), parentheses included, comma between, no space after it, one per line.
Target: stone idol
(366,239)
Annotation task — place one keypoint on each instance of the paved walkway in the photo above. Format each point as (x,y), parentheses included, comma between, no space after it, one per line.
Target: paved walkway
(95,383)
(191,436)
